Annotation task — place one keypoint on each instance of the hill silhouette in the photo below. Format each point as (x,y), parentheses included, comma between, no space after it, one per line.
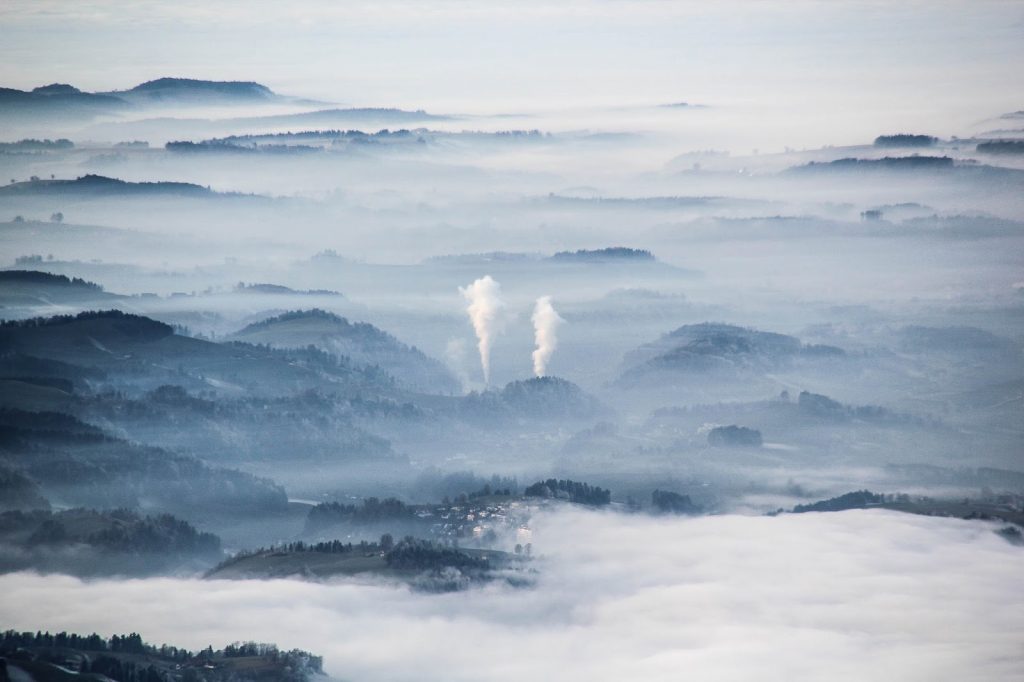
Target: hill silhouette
(361,342)
(101,186)
(541,398)
(172,89)
(144,353)
(713,347)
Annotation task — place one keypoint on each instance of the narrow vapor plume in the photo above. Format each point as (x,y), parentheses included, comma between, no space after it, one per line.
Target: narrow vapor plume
(546,321)
(484,309)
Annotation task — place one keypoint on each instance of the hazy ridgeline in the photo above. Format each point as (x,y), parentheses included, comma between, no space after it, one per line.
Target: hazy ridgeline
(509,354)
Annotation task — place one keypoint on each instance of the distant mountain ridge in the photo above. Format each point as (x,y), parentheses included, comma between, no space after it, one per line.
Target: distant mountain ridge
(57,100)
(161,88)
(62,100)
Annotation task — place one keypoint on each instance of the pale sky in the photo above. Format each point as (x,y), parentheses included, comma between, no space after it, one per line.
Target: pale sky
(947,62)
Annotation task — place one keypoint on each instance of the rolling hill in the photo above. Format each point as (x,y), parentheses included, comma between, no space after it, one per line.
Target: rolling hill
(361,342)
(193,91)
(76,464)
(539,398)
(64,101)
(90,185)
(715,348)
(138,353)
(34,288)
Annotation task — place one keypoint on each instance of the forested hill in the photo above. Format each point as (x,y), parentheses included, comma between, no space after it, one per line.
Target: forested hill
(168,90)
(87,186)
(361,342)
(62,656)
(140,353)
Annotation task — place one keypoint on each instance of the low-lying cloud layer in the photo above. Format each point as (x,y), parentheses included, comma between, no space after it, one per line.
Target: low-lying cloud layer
(844,596)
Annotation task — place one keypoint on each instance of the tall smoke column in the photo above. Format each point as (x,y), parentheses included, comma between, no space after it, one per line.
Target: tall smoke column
(545,331)
(484,310)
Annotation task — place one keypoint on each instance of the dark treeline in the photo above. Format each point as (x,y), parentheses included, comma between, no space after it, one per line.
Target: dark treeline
(542,398)
(854,500)
(315,134)
(1001,147)
(127,658)
(608,253)
(667,502)
(141,322)
(372,510)
(573,491)
(358,330)
(87,543)
(423,555)
(161,533)
(92,184)
(734,436)
(905,140)
(887,163)
(236,149)
(341,136)
(131,644)
(124,531)
(486,491)
(37,277)
(385,544)
(407,554)
(33,145)
(48,425)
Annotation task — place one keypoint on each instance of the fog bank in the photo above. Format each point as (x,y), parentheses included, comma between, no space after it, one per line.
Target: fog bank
(843,596)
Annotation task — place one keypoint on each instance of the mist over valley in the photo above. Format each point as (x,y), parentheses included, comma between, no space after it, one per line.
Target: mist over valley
(408,364)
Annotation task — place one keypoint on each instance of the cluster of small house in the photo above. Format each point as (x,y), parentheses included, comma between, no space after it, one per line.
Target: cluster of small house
(480,523)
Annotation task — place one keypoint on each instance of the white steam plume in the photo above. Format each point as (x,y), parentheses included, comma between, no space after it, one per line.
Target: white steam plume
(485,306)
(545,332)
